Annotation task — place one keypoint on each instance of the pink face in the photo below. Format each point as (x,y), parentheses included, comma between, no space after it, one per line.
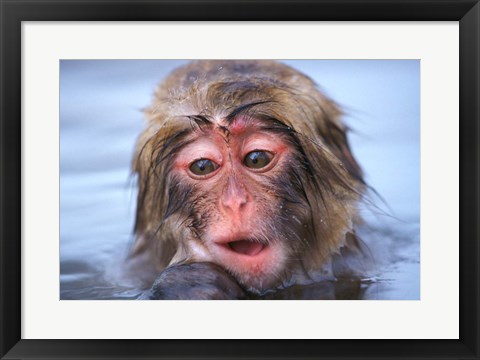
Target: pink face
(231,170)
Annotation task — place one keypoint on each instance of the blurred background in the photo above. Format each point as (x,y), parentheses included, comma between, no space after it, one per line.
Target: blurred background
(101,105)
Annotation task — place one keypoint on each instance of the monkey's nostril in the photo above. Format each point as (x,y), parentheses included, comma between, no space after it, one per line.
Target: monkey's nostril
(235,202)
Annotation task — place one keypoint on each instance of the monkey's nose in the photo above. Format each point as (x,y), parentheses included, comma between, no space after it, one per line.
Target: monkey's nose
(235,197)
(234,202)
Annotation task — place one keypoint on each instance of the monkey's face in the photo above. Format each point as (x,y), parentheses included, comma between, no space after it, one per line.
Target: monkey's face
(236,213)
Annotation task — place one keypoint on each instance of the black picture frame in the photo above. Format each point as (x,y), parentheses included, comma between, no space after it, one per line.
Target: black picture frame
(13,12)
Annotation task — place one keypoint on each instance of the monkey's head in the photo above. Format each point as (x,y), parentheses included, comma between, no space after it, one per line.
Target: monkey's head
(244,164)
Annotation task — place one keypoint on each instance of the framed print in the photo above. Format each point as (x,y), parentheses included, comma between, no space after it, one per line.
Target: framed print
(229,179)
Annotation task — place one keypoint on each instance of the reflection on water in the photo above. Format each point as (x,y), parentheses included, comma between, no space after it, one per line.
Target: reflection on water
(101,116)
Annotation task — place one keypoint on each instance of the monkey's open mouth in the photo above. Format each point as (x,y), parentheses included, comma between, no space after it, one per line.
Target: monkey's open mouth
(246,247)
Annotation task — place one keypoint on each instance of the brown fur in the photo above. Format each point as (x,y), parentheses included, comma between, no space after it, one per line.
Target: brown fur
(328,178)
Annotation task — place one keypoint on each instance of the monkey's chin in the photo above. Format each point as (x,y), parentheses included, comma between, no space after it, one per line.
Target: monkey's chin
(255,266)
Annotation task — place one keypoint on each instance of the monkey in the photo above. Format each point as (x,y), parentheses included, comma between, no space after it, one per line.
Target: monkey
(246,184)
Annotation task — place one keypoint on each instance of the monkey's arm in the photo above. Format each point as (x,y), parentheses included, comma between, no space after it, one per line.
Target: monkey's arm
(194,281)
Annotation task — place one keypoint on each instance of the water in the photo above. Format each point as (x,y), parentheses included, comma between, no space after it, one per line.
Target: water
(100,118)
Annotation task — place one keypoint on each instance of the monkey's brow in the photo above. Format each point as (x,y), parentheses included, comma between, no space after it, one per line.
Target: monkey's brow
(243,108)
(202,120)
(173,144)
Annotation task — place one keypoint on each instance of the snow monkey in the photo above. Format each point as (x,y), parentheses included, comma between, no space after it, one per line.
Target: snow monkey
(247,183)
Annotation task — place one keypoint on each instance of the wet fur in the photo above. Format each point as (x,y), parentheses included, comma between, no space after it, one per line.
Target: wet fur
(320,186)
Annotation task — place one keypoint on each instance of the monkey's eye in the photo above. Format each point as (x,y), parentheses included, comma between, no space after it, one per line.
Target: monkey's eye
(203,167)
(257,159)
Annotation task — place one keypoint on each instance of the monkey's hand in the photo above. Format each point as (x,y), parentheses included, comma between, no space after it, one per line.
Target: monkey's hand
(194,281)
